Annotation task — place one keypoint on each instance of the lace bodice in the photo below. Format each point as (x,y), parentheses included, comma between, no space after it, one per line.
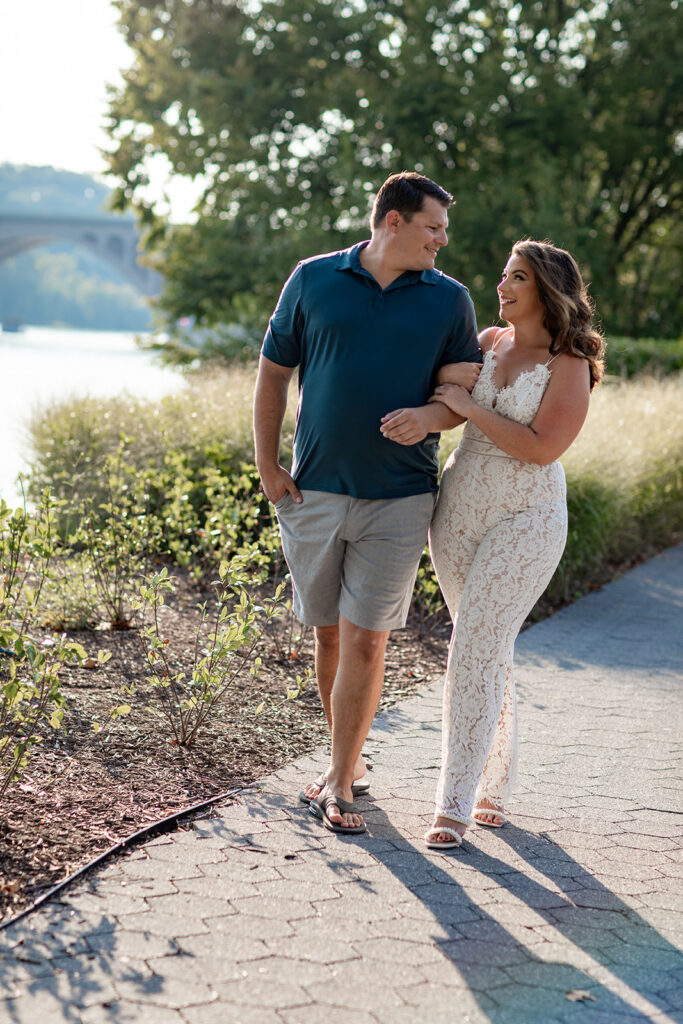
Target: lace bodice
(518,401)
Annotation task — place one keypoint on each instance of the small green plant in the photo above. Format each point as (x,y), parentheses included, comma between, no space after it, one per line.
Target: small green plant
(119,535)
(286,635)
(71,600)
(30,696)
(27,546)
(237,515)
(225,640)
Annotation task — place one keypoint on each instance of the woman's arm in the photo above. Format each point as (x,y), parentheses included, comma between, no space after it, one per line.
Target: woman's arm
(412,424)
(467,374)
(408,426)
(463,374)
(557,423)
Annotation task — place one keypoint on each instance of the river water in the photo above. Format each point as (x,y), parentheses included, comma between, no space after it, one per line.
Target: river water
(40,364)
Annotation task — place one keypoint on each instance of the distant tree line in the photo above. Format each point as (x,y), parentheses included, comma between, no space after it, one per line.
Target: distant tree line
(554,118)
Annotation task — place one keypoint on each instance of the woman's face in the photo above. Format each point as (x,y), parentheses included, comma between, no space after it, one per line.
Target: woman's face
(517,291)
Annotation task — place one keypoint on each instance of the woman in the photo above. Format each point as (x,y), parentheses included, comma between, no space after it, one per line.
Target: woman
(501,521)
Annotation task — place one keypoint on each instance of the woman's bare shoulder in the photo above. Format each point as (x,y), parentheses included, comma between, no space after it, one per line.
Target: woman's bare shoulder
(488,337)
(568,365)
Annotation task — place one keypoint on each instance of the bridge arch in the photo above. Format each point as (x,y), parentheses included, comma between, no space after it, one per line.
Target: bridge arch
(113,239)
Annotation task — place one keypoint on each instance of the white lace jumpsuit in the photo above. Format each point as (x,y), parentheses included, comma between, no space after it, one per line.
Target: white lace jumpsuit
(498,533)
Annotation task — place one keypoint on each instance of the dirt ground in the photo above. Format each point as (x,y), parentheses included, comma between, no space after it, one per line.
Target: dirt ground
(80,793)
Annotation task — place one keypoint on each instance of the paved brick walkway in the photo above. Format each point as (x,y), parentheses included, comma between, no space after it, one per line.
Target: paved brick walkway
(567,914)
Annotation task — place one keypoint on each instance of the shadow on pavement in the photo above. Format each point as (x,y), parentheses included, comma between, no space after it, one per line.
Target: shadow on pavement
(537,994)
(58,974)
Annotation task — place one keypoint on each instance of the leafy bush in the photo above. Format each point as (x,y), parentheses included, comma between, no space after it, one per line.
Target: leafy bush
(208,423)
(30,696)
(628,357)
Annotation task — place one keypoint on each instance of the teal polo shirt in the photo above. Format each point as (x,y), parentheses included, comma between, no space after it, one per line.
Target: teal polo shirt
(363,351)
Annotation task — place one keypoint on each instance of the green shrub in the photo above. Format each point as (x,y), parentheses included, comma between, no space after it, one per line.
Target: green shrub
(192,453)
(208,423)
(629,357)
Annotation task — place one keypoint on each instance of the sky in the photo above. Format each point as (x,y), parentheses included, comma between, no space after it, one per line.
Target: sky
(56,58)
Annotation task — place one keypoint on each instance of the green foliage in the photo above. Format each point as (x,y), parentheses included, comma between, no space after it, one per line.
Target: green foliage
(186,466)
(552,120)
(224,645)
(119,535)
(27,546)
(71,601)
(30,696)
(208,424)
(628,357)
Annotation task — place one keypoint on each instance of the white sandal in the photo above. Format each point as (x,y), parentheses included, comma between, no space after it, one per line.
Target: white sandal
(494,812)
(452,843)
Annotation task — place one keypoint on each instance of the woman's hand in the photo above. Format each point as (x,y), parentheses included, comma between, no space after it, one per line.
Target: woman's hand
(464,374)
(455,397)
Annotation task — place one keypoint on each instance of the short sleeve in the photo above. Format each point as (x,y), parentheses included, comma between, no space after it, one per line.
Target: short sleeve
(462,345)
(282,341)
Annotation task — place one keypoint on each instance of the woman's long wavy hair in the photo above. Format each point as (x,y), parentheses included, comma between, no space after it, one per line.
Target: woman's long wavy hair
(569,309)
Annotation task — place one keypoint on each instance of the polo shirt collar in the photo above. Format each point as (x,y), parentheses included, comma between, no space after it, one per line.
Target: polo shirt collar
(349,259)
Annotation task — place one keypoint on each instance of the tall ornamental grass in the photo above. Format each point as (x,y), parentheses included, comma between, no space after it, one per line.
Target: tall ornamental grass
(208,422)
(624,482)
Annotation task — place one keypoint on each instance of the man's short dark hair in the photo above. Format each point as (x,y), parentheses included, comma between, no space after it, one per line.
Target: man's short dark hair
(406,193)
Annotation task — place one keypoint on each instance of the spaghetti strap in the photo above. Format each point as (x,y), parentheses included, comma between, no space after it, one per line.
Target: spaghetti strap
(499,335)
(550,359)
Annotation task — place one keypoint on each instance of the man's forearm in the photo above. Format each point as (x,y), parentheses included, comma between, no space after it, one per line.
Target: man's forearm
(270,404)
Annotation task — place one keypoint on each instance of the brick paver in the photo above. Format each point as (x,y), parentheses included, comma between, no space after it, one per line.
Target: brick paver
(571,912)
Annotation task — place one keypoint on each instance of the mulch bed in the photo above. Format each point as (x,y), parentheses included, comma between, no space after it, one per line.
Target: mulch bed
(81,794)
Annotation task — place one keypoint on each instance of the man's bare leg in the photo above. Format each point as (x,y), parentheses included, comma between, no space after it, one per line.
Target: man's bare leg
(355,696)
(326,665)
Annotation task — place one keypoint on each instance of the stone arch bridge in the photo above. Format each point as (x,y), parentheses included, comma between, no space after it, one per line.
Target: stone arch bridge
(113,239)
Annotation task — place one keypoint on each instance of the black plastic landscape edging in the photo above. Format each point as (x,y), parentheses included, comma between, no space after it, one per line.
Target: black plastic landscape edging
(160,827)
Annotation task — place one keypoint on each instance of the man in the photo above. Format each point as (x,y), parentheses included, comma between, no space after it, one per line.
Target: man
(368,328)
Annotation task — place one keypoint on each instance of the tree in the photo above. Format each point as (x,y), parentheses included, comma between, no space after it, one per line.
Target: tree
(550,118)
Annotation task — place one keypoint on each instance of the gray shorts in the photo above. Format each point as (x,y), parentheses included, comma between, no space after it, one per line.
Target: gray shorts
(354,556)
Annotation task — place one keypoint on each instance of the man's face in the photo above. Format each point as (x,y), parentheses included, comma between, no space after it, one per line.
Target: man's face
(419,239)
